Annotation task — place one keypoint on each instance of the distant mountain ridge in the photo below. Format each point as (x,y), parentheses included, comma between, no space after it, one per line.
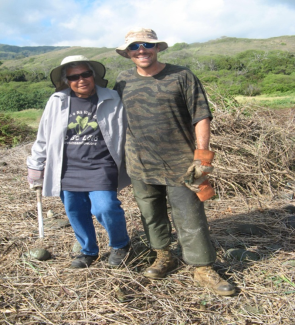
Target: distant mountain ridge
(222,46)
(237,66)
(9,52)
(233,45)
(44,58)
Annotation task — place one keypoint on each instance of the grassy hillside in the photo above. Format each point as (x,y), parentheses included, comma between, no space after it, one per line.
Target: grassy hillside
(244,67)
(222,46)
(231,45)
(47,61)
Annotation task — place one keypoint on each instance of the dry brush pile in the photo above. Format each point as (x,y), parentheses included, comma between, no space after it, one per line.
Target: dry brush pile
(254,148)
(254,180)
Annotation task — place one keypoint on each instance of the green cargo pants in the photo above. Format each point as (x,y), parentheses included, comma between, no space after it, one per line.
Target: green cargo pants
(188,217)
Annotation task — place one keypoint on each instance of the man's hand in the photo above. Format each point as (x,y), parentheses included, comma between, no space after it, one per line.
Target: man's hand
(197,171)
(35,178)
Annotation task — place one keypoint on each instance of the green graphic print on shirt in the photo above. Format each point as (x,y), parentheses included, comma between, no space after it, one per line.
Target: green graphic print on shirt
(82,124)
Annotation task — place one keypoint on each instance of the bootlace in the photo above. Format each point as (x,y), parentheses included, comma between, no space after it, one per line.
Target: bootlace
(163,258)
(212,275)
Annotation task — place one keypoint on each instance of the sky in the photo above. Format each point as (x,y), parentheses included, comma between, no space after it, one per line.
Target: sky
(104,23)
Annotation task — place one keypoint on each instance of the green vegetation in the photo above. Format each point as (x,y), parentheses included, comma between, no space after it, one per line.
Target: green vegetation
(30,117)
(17,96)
(13,132)
(248,73)
(274,101)
(238,67)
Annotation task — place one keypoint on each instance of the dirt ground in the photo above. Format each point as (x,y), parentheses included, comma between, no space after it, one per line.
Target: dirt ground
(49,292)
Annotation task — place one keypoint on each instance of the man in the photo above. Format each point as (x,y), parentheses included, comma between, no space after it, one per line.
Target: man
(167,112)
(79,151)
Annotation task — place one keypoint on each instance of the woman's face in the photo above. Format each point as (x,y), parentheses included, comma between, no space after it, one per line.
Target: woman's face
(83,87)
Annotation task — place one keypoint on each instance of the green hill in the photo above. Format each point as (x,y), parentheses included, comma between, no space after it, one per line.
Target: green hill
(239,66)
(50,56)
(9,52)
(231,45)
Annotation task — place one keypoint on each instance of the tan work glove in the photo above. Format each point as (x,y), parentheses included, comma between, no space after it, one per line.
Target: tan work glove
(35,178)
(197,171)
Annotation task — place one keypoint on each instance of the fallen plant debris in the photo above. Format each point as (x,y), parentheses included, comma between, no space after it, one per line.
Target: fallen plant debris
(254,180)
(13,133)
(254,155)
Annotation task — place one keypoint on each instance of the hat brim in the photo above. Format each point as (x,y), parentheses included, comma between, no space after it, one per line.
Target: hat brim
(99,80)
(122,50)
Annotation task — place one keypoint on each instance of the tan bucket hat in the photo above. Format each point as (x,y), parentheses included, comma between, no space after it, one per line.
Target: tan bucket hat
(98,68)
(140,35)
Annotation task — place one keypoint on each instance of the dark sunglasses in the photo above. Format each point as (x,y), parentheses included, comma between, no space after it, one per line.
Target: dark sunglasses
(136,46)
(75,77)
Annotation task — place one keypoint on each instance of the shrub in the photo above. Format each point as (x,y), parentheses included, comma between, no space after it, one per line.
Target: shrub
(278,83)
(178,46)
(13,100)
(12,133)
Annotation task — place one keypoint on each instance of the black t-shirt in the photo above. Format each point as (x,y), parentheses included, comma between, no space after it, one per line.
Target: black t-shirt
(87,162)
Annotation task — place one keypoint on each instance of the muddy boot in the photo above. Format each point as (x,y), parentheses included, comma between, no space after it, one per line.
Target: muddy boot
(83,261)
(163,264)
(118,255)
(207,277)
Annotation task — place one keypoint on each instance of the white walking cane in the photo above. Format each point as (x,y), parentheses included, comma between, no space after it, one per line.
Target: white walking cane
(40,216)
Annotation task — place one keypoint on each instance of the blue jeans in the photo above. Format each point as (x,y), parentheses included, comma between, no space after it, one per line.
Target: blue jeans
(105,206)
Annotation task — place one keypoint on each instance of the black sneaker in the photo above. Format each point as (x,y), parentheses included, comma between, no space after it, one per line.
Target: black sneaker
(117,255)
(82,261)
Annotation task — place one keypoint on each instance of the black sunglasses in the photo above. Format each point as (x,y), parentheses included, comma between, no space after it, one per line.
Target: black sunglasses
(136,46)
(75,77)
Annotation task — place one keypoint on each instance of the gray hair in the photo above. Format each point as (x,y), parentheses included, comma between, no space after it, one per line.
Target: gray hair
(74,65)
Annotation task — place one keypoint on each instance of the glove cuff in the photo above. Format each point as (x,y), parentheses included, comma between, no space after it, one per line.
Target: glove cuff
(35,175)
(204,155)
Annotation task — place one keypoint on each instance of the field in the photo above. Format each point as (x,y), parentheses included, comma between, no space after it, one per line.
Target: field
(271,101)
(30,117)
(253,211)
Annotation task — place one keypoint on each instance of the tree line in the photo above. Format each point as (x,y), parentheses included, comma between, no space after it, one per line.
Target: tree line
(249,73)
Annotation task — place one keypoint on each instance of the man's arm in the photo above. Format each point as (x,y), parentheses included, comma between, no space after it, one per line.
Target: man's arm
(202,130)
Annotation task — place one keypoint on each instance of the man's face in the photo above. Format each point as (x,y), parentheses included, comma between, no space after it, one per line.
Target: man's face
(144,58)
(83,87)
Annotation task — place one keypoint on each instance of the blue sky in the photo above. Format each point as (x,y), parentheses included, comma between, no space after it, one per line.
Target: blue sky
(98,23)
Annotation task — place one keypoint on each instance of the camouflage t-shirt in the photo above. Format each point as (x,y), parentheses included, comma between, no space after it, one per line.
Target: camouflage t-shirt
(161,112)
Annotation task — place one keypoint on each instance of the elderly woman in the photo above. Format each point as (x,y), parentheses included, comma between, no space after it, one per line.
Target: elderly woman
(79,153)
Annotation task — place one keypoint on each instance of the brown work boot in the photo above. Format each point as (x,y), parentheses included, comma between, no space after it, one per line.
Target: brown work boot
(207,277)
(163,264)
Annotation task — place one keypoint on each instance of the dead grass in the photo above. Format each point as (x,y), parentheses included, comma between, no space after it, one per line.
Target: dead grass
(253,167)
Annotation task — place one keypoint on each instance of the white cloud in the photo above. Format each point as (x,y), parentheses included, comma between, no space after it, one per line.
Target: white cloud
(105,22)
